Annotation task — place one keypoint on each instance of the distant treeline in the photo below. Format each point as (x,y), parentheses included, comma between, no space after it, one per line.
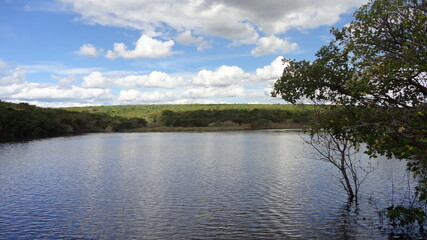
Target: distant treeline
(24,121)
(257,118)
(153,113)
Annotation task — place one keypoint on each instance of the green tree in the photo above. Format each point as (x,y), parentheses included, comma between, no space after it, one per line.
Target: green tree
(375,74)
(376,71)
(380,59)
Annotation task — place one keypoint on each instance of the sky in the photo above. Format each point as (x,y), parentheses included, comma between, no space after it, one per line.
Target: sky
(57,53)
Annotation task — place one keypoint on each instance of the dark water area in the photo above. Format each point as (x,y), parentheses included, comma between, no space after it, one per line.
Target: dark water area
(221,185)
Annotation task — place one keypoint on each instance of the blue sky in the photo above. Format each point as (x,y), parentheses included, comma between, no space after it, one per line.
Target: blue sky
(94,52)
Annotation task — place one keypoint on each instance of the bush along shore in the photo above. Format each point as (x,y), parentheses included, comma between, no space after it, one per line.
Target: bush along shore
(23,121)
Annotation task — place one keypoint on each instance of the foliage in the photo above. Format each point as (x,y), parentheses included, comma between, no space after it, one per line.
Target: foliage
(24,121)
(375,70)
(379,59)
(261,123)
(153,113)
(398,132)
(20,121)
(406,218)
(378,63)
(257,118)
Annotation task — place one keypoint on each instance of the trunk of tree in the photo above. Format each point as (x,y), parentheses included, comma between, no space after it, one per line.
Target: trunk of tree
(347,181)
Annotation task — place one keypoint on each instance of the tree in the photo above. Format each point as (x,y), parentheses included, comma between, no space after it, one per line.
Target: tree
(342,154)
(374,74)
(375,70)
(379,59)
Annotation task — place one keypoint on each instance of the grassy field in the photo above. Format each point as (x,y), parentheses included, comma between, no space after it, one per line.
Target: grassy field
(152,113)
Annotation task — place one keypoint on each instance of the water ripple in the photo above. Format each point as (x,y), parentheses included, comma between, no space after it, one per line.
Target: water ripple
(258,185)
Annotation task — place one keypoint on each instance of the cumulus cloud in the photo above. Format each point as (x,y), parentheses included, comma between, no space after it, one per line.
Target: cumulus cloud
(14,76)
(153,80)
(97,80)
(65,81)
(273,44)
(234,20)
(59,103)
(56,68)
(196,101)
(14,87)
(133,96)
(214,92)
(3,64)
(34,92)
(7,91)
(145,47)
(226,84)
(88,50)
(186,38)
(223,76)
(194,94)
(54,93)
(270,72)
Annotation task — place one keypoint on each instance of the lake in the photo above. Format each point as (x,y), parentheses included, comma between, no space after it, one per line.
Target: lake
(220,185)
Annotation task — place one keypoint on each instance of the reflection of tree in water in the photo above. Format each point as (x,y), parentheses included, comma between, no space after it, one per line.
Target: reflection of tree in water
(347,221)
(404,215)
(343,221)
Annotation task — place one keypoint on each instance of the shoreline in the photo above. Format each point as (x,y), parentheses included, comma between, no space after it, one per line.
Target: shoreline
(245,127)
(154,129)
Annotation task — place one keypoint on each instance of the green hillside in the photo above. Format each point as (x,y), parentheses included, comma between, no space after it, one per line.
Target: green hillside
(153,113)
(24,121)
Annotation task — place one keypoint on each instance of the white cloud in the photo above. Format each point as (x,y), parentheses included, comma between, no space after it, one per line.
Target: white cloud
(9,90)
(223,76)
(3,64)
(156,97)
(273,44)
(226,84)
(238,21)
(192,95)
(14,76)
(55,93)
(58,104)
(196,101)
(134,96)
(267,91)
(88,50)
(96,80)
(214,92)
(145,47)
(271,72)
(65,81)
(153,80)
(56,68)
(187,38)
(14,87)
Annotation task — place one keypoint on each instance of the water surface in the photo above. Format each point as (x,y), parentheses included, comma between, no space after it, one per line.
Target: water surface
(230,185)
